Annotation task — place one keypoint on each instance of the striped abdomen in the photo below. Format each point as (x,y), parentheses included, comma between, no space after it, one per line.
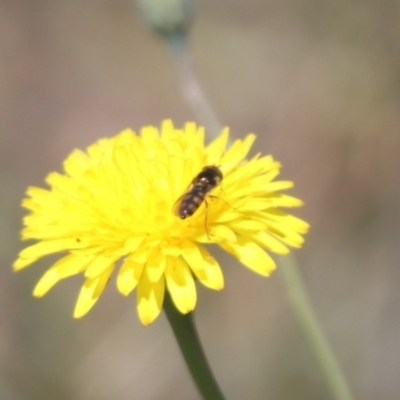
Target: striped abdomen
(202,184)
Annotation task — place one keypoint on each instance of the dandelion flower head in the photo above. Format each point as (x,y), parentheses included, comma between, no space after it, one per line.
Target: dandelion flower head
(113,209)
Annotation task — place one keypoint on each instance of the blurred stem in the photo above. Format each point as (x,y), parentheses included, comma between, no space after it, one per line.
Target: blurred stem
(191,89)
(190,346)
(307,319)
(299,300)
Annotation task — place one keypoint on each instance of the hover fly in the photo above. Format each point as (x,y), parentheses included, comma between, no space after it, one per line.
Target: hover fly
(201,185)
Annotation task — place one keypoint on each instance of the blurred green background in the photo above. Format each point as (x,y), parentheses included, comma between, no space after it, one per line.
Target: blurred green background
(319,82)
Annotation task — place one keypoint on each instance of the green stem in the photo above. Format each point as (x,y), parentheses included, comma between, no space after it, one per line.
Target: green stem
(190,346)
(197,100)
(307,319)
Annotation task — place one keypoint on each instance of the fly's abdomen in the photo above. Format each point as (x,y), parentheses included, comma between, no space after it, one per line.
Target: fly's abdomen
(191,201)
(208,178)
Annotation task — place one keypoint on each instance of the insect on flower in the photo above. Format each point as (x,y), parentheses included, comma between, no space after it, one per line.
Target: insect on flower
(112,204)
(209,177)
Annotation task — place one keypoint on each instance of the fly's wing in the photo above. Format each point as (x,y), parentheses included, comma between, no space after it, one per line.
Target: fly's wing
(177,206)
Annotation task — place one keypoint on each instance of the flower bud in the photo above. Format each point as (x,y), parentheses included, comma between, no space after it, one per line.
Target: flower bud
(168,17)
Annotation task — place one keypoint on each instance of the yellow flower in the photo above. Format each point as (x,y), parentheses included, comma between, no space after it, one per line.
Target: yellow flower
(117,203)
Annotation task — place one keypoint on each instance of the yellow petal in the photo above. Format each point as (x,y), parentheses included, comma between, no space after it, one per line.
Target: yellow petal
(261,170)
(97,151)
(155,265)
(290,201)
(251,255)
(210,274)
(167,131)
(48,280)
(32,253)
(68,186)
(217,147)
(77,163)
(129,276)
(247,225)
(222,232)
(197,135)
(237,152)
(287,235)
(90,293)
(286,228)
(68,266)
(99,265)
(141,255)
(191,254)
(40,198)
(36,231)
(288,220)
(150,297)
(268,241)
(203,265)
(277,186)
(150,135)
(216,234)
(181,285)
(273,200)
(126,137)
(132,244)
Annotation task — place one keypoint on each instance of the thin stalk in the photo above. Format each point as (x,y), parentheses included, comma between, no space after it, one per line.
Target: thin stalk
(302,307)
(191,88)
(307,319)
(192,351)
